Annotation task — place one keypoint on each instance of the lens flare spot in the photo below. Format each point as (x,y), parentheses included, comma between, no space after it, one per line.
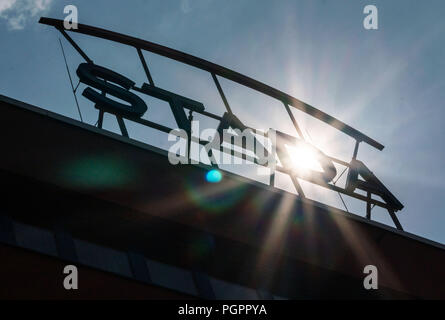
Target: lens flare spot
(97,172)
(214,197)
(214,176)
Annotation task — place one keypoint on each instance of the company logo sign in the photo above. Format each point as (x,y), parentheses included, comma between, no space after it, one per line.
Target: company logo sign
(114,93)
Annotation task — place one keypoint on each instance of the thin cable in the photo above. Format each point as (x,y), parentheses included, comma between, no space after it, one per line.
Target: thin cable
(343,202)
(340,175)
(339,194)
(221,93)
(75,90)
(294,121)
(341,198)
(71,81)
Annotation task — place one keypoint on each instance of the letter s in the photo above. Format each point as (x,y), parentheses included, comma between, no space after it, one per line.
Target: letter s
(90,73)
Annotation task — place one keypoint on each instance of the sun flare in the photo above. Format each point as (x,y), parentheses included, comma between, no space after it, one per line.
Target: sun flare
(303,157)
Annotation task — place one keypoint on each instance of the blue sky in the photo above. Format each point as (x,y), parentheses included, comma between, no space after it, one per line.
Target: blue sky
(388,83)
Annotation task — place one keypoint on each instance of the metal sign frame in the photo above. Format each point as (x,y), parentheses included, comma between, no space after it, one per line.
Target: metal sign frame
(369,182)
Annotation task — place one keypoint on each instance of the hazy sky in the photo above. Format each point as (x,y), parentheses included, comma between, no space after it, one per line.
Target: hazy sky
(388,83)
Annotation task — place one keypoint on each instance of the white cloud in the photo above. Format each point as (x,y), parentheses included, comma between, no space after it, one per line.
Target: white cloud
(17,22)
(16,13)
(6,4)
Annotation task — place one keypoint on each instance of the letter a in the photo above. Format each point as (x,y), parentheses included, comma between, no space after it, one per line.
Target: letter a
(70,281)
(371,280)
(371,20)
(70,21)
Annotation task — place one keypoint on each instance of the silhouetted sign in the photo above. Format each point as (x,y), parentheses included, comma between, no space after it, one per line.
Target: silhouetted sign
(112,83)
(112,86)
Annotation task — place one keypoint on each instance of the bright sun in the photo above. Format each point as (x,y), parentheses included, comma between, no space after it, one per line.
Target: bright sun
(304,157)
